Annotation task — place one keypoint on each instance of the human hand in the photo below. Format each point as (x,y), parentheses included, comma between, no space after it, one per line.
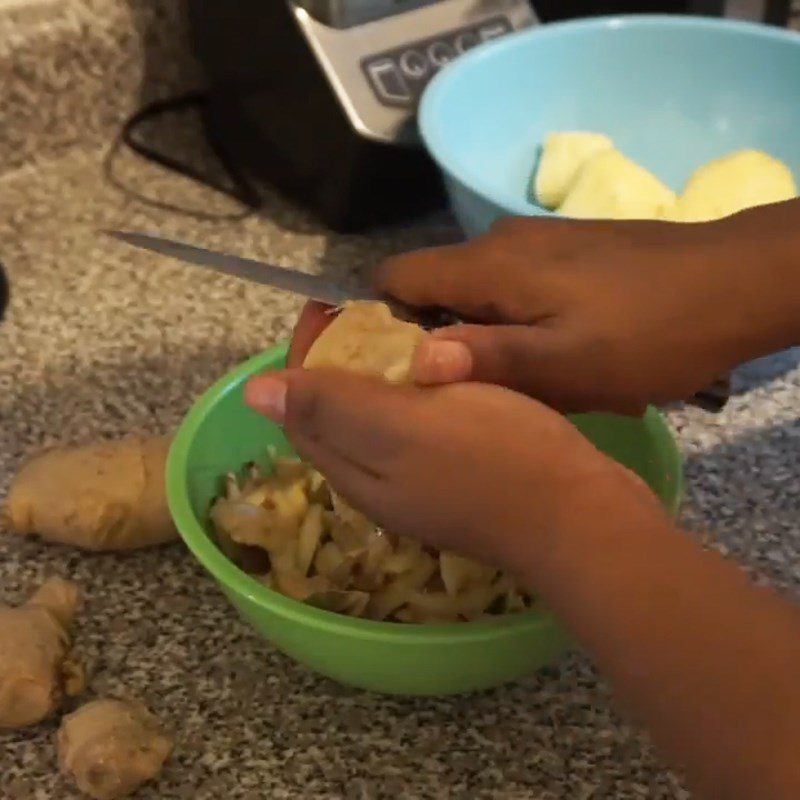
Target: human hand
(592,316)
(472,468)
(586,315)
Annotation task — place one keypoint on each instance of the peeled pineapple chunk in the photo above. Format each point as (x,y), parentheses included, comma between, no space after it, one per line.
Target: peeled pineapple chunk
(611,186)
(562,157)
(733,183)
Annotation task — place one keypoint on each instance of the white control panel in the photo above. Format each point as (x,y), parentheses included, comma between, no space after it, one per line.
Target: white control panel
(399,76)
(379,69)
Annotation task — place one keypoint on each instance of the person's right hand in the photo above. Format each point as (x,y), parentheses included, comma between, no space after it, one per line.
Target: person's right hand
(592,315)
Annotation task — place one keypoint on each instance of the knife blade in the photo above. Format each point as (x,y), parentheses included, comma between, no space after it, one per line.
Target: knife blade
(316,287)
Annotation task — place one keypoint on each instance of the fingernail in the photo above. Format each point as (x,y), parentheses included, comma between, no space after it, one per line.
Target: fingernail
(442,361)
(267,395)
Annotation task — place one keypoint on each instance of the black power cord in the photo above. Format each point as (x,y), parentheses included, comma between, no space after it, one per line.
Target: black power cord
(239,189)
(4,292)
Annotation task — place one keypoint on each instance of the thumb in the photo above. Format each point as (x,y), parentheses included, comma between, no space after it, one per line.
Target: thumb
(506,355)
(530,359)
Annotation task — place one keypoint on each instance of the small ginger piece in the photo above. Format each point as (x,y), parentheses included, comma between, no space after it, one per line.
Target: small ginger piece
(36,667)
(107,496)
(59,597)
(367,339)
(111,747)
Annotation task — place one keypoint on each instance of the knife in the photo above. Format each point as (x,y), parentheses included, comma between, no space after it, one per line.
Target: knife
(316,287)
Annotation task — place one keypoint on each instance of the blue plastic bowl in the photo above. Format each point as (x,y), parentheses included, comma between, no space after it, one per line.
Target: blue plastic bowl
(673,93)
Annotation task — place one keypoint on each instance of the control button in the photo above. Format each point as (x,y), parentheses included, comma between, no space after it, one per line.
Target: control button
(441,53)
(389,84)
(414,64)
(466,41)
(493,30)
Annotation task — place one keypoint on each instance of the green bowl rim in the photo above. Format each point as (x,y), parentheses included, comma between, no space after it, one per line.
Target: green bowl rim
(234,579)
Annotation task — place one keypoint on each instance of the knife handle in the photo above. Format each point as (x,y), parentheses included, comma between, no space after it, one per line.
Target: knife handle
(429,317)
(433,318)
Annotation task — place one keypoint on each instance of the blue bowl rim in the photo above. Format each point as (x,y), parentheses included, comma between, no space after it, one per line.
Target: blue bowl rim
(235,580)
(435,96)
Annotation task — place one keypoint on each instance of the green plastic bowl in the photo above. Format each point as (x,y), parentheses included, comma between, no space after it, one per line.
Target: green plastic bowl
(220,435)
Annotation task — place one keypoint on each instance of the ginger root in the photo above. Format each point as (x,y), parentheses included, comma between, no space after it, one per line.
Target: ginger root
(107,496)
(366,338)
(111,747)
(36,668)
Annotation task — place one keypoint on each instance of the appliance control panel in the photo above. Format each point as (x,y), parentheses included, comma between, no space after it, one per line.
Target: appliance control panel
(379,69)
(399,76)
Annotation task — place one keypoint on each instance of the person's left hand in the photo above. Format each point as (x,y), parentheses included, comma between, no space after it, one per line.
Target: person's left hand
(473,468)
